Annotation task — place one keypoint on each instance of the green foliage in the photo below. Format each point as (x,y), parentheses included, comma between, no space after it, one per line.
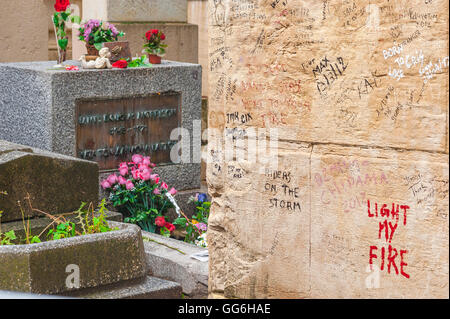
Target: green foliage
(59,21)
(63,43)
(156,48)
(99,33)
(8,238)
(62,228)
(191,227)
(141,204)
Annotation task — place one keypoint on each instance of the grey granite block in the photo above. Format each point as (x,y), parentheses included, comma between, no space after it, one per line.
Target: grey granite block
(37,103)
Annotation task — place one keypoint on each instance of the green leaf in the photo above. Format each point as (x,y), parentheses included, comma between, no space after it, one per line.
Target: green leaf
(98,46)
(75,19)
(64,15)
(56,19)
(63,43)
(11,235)
(35,240)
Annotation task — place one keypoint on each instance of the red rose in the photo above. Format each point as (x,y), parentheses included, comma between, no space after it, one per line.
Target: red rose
(160,221)
(121,64)
(170,227)
(155,31)
(163,36)
(61,5)
(148,35)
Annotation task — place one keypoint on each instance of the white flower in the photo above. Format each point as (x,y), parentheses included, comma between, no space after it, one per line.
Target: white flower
(201,241)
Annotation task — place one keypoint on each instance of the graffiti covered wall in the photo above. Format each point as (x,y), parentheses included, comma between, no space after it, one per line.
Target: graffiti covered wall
(348,195)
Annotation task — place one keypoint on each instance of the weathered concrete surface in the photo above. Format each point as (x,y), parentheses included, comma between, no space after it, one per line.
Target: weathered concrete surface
(170,259)
(144,288)
(198,14)
(344,233)
(136,10)
(102,259)
(23,31)
(44,176)
(325,76)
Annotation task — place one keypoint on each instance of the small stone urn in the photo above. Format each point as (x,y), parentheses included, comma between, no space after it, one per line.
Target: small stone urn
(154,59)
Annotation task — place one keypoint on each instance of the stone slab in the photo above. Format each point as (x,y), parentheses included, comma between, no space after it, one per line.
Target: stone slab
(260,222)
(412,262)
(43,114)
(165,260)
(44,176)
(145,288)
(136,10)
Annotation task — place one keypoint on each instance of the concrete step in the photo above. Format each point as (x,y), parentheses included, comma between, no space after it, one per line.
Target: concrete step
(170,259)
(145,288)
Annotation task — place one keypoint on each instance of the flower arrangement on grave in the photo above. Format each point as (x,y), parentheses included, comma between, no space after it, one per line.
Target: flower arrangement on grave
(95,32)
(60,18)
(140,195)
(154,46)
(137,62)
(196,227)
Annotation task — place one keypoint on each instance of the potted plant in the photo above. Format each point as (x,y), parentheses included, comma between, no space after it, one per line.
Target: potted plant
(154,47)
(95,32)
(60,18)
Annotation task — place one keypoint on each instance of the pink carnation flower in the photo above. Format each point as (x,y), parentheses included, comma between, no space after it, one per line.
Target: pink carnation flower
(137,159)
(172,191)
(145,174)
(122,180)
(129,185)
(146,161)
(123,165)
(112,179)
(105,184)
(164,185)
(135,173)
(157,191)
(123,171)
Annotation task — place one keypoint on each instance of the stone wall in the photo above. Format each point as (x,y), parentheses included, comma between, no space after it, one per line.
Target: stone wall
(354,203)
(198,14)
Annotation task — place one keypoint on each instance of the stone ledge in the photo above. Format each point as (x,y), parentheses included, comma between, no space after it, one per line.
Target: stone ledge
(165,260)
(145,288)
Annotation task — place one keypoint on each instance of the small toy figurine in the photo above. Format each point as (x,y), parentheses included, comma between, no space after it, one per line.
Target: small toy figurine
(102,62)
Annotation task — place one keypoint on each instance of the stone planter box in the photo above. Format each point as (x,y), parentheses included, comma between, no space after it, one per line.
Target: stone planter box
(102,259)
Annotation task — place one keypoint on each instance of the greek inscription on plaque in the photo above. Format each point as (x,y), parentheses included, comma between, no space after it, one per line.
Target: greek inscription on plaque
(110,131)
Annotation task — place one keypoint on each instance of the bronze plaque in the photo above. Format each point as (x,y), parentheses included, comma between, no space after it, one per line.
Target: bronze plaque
(110,131)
